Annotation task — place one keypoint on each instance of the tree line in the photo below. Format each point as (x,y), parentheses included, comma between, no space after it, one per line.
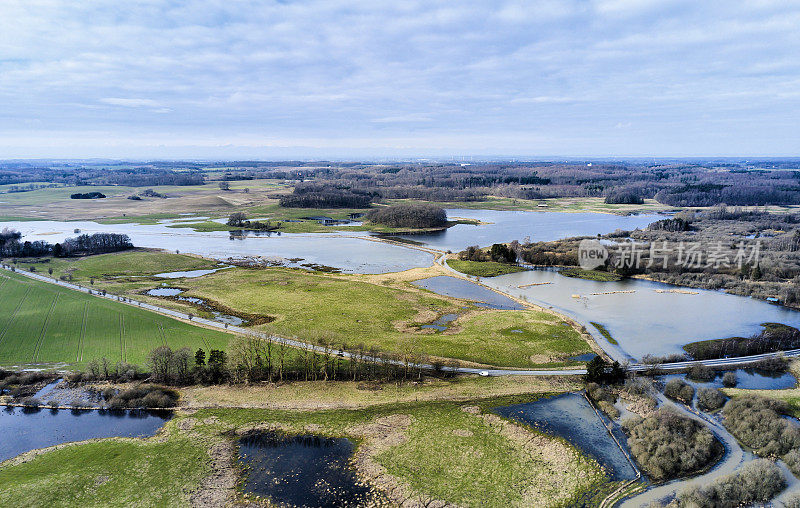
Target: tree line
(85,244)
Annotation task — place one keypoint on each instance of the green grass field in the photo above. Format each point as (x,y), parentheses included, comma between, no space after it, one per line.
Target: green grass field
(136,262)
(41,323)
(344,309)
(483,268)
(114,472)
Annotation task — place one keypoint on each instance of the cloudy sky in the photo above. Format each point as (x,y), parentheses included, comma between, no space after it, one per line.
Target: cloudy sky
(336,78)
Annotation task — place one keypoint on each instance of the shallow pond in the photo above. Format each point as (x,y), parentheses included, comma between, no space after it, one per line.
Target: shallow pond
(26,429)
(460,288)
(301,470)
(505,226)
(641,319)
(570,416)
(443,323)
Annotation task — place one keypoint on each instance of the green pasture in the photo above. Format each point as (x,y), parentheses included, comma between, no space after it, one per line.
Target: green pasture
(41,323)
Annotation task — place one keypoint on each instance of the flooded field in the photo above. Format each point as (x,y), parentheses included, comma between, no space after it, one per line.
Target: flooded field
(571,417)
(642,319)
(747,379)
(304,470)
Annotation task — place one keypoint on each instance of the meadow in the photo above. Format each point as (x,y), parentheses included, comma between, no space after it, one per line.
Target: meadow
(41,323)
(343,309)
(451,451)
(384,312)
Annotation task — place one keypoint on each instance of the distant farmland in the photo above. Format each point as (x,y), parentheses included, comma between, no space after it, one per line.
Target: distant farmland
(44,323)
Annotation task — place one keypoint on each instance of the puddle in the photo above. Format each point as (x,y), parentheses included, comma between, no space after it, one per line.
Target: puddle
(29,429)
(216,315)
(586,357)
(570,416)
(165,292)
(443,323)
(301,470)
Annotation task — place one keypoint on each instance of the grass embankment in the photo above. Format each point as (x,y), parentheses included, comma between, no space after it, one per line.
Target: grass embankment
(344,309)
(483,268)
(318,395)
(112,472)
(136,262)
(596,275)
(446,450)
(604,332)
(44,323)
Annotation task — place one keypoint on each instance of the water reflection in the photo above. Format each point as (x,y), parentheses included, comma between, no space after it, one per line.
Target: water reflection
(25,429)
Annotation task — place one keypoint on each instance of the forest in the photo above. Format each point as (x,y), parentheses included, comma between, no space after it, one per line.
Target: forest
(322,184)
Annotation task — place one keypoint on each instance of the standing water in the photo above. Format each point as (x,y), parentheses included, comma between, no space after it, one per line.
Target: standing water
(29,429)
(303,470)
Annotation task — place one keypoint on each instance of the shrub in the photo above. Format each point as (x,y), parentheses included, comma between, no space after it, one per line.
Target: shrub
(710,399)
(668,445)
(144,396)
(599,394)
(87,195)
(678,389)
(702,373)
(30,402)
(671,358)
(638,386)
(792,460)
(609,409)
(729,379)
(757,482)
(757,422)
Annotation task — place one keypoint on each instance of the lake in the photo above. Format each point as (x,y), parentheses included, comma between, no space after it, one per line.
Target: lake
(505,226)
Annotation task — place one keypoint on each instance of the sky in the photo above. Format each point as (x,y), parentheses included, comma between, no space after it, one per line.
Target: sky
(347,79)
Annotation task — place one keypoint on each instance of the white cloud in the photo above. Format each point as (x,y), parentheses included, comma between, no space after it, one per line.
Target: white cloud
(312,70)
(130,103)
